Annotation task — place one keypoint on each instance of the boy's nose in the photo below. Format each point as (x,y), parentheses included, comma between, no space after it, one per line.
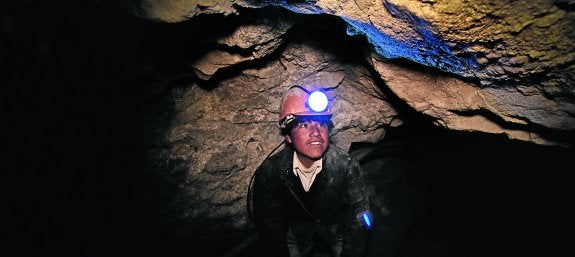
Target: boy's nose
(314,129)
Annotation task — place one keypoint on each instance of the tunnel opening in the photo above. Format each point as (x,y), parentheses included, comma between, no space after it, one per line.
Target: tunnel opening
(74,144)
(446,193)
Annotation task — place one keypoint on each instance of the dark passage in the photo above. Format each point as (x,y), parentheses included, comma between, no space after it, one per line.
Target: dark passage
(69,97)
(459,194)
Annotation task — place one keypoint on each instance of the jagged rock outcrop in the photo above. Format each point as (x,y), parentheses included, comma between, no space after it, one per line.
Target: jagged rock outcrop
(500,67)
(137,132)
(217,137)
(495,45)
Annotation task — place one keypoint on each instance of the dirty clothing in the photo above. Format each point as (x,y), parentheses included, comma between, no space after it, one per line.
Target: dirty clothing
(331,209)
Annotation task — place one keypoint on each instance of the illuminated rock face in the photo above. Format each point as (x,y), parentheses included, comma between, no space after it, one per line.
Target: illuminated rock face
(514,60)
(140,136)
(497,67)
(220,130)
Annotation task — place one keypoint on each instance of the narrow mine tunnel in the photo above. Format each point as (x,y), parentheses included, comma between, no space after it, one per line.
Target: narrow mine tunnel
(126,136)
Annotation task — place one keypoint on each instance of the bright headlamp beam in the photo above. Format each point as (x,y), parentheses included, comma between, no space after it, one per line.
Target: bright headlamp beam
(317,101)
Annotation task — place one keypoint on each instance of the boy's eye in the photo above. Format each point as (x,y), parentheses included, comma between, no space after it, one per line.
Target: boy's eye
(309,124)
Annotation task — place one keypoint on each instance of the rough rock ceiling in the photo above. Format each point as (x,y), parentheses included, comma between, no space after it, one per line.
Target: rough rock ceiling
(499,67)
(507,66)
(88,171)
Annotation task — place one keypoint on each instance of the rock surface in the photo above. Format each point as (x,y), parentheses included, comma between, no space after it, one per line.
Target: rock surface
(216,137)
(136,133)
(519,54)
(497,67)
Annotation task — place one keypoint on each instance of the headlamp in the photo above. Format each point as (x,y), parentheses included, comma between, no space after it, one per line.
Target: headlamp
(317,101)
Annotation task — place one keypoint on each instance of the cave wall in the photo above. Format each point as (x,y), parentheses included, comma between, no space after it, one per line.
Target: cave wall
(214,135)
(112,120)
(495,67)
(515,59)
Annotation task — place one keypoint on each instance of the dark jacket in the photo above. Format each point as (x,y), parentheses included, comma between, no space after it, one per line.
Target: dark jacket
(334,203)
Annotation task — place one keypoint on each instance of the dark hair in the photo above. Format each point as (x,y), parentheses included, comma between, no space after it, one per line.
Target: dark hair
(298,119)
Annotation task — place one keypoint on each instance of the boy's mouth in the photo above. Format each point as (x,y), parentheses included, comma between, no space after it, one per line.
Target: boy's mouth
(313,143)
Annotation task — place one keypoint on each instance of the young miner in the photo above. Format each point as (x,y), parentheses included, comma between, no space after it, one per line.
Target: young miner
(310,196)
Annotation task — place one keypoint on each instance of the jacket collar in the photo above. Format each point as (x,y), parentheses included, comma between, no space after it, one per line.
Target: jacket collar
(285,160)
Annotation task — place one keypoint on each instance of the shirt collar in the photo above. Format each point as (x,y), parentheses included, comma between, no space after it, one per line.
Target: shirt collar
(298,166)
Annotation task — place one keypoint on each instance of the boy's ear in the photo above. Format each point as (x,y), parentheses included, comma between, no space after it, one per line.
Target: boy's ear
(288,138)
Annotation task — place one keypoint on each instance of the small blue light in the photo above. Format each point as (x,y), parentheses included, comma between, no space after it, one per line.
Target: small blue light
(366,219)
(317,101)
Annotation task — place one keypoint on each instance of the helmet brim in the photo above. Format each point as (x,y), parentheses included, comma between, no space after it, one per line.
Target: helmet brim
(310,113)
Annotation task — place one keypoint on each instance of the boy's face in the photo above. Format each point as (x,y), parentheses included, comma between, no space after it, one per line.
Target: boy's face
(310,138)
